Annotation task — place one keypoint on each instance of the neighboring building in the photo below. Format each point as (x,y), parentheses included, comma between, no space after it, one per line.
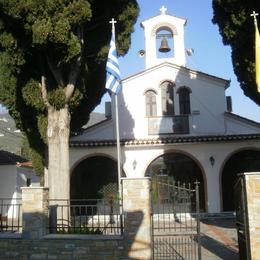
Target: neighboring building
(10,137)
(174,121)
(15,172)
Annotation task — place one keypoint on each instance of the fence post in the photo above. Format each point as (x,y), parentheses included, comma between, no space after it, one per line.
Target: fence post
(198,218)
(252,196)
(137,217)
(35,211)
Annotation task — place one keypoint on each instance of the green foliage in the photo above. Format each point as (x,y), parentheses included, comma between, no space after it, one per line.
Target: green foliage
(32,95)
(32,155)
(45,38)
(56,97)
(80,230)
(109,191)
(25,150)
(42,123)
(38,161)
(236,27)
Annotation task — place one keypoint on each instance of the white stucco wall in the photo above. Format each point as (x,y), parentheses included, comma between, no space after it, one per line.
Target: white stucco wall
(104,131)
(8,181)
(176,24)
(236,126)
(8,177)
(199,152)
(207,98)
(23,174)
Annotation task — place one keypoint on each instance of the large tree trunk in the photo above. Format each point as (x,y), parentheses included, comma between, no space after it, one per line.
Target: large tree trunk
(58,145)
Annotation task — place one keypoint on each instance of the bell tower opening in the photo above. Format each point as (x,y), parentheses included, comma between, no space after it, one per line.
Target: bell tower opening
(164,43)
(164,39)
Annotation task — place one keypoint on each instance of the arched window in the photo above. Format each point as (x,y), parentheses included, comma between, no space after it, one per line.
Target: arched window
(184,101)
(150,102)
(167,98)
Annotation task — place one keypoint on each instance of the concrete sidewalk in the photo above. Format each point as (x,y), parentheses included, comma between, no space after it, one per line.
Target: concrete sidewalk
(219,239)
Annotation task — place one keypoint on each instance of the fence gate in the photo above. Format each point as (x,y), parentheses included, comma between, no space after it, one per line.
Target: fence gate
(175,219)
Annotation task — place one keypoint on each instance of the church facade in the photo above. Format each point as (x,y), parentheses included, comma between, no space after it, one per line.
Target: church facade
(174,121)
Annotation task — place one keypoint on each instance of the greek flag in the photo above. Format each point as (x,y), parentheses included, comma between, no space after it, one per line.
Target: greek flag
(113,82)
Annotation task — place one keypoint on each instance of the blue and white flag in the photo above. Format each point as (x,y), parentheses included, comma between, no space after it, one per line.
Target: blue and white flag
(113,82)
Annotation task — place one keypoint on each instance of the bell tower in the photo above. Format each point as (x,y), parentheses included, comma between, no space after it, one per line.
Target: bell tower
(164,39)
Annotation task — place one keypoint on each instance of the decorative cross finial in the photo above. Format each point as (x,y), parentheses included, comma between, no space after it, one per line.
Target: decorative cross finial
(163,10)
(254,14)
(113,22)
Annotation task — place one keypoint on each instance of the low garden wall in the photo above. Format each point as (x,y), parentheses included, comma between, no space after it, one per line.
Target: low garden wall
(58,247)
(35,242)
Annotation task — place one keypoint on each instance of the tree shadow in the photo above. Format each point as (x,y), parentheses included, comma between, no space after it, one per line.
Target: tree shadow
(136,244)
(218,249)
(228,223)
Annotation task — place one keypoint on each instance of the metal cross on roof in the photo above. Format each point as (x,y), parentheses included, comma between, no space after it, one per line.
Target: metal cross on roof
(113,22)
(254,14)
(163,9)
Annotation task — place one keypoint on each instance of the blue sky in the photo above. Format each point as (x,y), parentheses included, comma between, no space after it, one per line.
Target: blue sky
(210,55)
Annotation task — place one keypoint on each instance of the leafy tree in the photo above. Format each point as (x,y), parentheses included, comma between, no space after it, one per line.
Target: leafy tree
(236,27)
(52,70)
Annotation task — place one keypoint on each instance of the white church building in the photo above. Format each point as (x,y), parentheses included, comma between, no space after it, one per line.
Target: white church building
(174,121)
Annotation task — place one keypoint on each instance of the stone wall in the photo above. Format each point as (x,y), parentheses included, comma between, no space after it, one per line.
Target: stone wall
(58,248)
(137,212)
(36,243)
(252,183)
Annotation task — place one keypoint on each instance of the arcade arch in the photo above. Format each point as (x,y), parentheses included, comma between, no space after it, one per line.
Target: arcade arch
(181,167)
(91,175)
(241,161)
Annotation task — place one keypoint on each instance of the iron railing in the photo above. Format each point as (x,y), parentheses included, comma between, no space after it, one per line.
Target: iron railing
(175,220)
(85,216)
(174,205)
(10,215)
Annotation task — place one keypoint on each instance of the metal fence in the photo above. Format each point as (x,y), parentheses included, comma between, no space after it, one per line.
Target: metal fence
(10,215)
(175,220)
(85,216)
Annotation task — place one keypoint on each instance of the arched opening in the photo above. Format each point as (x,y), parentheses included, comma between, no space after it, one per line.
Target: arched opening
(164,42)
(184,100)
(93,178)
(150,103)
(243,161)
(167,98)
(181,168)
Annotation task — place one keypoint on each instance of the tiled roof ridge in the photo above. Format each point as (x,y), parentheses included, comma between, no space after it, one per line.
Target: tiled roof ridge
(239,117)
(166,140)
(8,158)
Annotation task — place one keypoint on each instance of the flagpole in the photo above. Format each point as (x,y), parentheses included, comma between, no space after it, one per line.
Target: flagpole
(118,146)
(257,52)
(117,129)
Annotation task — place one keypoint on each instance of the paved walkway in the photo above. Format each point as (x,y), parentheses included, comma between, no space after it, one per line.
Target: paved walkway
(219,239)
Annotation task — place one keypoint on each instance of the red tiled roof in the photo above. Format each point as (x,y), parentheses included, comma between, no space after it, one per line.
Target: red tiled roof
(24,164)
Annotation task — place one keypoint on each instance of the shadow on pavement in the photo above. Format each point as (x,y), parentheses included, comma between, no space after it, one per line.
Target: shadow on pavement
(218,249)
(223,223)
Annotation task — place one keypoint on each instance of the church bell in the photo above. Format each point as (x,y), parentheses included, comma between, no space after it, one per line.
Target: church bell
(164,46)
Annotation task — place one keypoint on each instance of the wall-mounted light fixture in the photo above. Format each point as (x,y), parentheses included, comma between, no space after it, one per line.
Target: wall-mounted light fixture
(212,160)
(134,164)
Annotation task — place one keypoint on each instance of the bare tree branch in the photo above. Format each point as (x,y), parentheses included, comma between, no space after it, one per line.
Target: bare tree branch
(43,88)
(56,72)
(75,68)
